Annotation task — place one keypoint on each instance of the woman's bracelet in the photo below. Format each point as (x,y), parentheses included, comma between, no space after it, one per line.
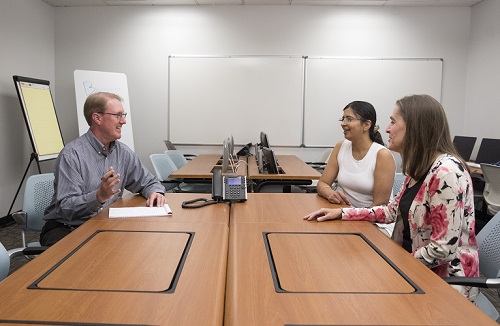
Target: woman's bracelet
(325,186)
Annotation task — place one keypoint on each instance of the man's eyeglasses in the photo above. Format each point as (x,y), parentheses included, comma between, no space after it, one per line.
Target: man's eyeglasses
(349,119)
(119,115)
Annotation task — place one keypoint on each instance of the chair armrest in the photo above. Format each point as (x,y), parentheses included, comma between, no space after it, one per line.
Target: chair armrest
(481,282)
(316,163)
(21,218)
(171,181)
(28,251)
(33,251)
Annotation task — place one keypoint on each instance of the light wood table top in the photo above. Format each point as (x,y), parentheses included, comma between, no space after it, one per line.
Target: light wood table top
(474,170)
(147,271)
(201,166)
(266,267)
(329,273)
(270,207)
(218,213)
(294,168)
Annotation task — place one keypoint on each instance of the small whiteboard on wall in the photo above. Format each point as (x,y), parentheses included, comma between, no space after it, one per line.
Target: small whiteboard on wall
(89,82)
(212,98)
(332,83)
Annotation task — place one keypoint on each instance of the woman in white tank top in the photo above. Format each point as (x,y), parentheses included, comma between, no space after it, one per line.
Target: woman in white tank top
(363,168)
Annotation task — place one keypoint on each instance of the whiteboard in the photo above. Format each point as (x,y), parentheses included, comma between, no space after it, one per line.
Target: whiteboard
(89,82)
(296,100)
(332,83)
(214,97)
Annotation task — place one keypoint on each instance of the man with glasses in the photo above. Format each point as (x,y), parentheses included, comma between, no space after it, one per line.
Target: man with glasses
(92,171)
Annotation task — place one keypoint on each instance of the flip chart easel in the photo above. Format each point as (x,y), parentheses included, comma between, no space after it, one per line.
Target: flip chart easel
(41,121)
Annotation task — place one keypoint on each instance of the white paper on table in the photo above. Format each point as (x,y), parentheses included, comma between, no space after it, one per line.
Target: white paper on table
(118,212)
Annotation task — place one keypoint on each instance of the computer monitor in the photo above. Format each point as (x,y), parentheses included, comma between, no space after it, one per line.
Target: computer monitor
(269,161)
(225,155)
(258,159)
(489,151)
(227,158)
(231,146)
(464,146)
(264,140)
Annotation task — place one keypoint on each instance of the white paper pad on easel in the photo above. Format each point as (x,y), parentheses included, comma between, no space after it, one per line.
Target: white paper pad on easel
(139,211)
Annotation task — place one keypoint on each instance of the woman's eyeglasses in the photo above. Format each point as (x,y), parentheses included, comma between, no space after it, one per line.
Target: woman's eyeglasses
(349,119)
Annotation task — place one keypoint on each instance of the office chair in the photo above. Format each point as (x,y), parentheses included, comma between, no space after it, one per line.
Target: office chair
(491,192)
(7,255)
(488,240)
(163,167)
(171,147)
(37,196)
(489,151)
(320,164)
(188,185)
(464,146)
(4,262)
(177,157)
(399,179)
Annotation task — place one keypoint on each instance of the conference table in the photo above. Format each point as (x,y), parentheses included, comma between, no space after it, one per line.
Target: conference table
(283,270)
(167,270)
(201,167)
(250,263)
(296,171)
(475,168)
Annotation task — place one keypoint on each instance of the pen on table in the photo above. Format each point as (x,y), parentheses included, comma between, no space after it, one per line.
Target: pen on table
(112,175)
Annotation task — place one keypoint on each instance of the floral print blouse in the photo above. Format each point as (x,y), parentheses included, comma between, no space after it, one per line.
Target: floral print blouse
(441,218)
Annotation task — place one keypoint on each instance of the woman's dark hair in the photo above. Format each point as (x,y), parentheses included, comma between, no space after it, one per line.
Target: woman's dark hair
(366,112)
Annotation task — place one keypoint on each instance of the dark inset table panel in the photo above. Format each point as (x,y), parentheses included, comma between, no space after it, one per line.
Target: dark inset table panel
(153,260)
(332,263)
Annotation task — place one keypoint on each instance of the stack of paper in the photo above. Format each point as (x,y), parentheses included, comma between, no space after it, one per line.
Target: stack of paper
(139,211)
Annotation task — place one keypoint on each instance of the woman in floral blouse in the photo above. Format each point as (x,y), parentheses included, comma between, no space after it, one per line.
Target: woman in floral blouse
(434,210)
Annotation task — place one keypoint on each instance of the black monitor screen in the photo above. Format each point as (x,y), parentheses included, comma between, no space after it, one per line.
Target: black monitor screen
(264,141)
(269,161)
(489,151)
(464,146)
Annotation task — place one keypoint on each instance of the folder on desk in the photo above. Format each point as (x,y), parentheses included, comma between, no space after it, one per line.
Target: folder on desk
(139,211)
